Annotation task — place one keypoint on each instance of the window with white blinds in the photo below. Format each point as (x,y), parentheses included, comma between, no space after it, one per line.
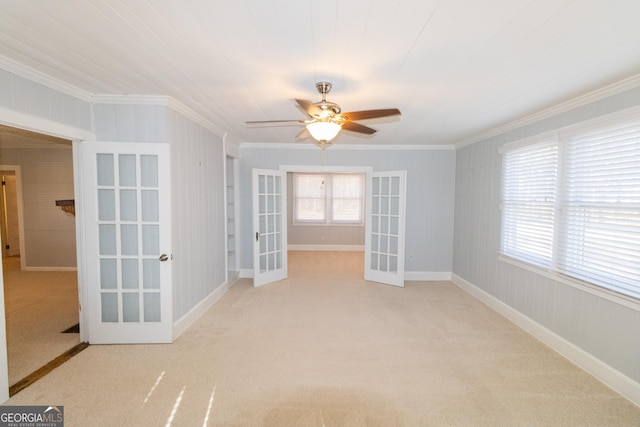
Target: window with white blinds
(529,179)
(310,198)
(336,198)
(572,205)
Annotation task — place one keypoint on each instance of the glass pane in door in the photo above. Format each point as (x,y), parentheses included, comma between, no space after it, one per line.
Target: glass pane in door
(129,247)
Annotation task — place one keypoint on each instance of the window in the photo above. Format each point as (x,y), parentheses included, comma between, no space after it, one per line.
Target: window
(328,198)
(571,204)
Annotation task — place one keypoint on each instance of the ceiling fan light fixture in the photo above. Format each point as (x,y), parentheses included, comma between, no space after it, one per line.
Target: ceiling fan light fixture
(323,131)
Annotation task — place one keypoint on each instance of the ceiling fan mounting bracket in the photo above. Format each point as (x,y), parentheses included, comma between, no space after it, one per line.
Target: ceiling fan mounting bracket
(323,88)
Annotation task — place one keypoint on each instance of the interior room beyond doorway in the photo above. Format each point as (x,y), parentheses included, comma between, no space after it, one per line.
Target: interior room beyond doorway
(323,235)
(39,253)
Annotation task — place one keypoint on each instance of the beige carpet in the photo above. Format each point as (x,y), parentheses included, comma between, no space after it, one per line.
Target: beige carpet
(39,305)
(326,348)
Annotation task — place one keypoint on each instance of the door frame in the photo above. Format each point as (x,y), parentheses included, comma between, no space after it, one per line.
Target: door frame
(38,124)
(367,170)
(17,170)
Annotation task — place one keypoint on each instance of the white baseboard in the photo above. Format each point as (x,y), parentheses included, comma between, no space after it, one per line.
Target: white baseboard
(427,275)
(233,277)
(333,248)
(182,324)
(247,273)
(614,379)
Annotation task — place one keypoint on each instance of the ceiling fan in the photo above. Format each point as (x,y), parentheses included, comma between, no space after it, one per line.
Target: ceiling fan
(326,119)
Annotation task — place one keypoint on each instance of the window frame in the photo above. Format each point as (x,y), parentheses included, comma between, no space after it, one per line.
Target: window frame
(329,198)
(558,268)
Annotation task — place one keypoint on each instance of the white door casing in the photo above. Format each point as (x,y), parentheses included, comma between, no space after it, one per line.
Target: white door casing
(385,227)
(270,226)
(11,215)
(127,247)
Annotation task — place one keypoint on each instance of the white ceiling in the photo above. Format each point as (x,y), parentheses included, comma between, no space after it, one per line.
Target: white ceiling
(455,68)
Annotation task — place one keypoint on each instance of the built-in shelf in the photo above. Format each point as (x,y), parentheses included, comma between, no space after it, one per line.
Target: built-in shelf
(232,266)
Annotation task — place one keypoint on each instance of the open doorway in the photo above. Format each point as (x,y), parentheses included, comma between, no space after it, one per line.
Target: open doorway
(325,223)
(383,218)
(39,253)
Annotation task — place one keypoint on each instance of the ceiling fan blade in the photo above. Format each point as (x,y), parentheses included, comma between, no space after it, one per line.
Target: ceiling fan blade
(356,127)
(309,107)
(274,121)
(371,114)
(304,134)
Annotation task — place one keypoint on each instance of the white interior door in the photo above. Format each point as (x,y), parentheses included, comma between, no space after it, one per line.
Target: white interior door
(270,226)
(385,229)
(127,228)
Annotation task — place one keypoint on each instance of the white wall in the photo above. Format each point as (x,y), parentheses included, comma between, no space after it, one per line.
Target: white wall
(430,193)
(607,330)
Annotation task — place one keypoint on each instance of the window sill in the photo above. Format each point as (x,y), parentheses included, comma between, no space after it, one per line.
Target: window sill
(618,298)
(327,224)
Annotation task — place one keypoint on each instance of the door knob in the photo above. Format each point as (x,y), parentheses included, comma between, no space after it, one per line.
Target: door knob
(257,236)
(164,257)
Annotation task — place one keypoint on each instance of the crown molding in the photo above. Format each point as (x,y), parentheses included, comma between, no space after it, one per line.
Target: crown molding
(104,98)
(341,147)
(29,73)
(629,83)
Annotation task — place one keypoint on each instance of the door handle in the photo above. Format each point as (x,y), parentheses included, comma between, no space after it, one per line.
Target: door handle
(164,257)
(257,236)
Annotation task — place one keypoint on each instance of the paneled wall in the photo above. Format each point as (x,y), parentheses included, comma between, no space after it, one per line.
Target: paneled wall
(430,193)
(128,123)
(49,233)
(198,214)
(607,330)
(21,95)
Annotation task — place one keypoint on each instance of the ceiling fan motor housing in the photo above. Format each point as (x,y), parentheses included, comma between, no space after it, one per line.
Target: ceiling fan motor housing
(329,109)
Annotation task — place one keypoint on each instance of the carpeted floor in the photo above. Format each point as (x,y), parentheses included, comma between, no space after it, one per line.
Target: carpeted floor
(326,348)
(39,306)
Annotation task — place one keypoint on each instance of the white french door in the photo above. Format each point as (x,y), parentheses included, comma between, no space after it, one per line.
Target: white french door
(127,229)
(385,227)
(270,226)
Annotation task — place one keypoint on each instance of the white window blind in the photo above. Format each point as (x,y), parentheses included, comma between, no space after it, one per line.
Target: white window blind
(328,198)
(529,178)
(310,198)
(347,198)
(600,240)
(572,205)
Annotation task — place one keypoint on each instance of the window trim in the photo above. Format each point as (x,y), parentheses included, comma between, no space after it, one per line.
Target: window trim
(561,135)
